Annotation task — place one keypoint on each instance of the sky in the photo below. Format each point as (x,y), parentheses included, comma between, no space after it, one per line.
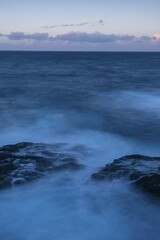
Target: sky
(85,25)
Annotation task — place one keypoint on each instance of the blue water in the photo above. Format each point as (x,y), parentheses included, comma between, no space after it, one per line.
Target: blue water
(109,103)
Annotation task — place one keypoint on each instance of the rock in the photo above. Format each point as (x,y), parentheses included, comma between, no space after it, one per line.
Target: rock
(23,162)
(142,171)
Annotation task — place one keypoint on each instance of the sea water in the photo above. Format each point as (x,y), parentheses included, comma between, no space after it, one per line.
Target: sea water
(98,106)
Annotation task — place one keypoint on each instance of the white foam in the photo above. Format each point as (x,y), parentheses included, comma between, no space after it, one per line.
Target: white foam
(131,100)
(69,206)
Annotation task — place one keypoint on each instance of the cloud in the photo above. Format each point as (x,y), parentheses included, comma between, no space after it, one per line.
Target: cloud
(82,37)
(92,37)
(66,25)
(22,36)
(145,38)
(156,36)
(95,37)
(81,41)
(101,22)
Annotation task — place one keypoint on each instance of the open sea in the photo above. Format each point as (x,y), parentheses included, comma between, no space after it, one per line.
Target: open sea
(101,106)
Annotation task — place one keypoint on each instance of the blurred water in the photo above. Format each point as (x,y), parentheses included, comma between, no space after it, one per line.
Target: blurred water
(102,106)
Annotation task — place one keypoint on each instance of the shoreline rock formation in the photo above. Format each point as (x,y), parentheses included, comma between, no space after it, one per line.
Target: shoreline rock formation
(23,162)
(141,171)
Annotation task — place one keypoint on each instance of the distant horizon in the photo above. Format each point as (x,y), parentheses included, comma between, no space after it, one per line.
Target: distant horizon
(69,25)
(80,51)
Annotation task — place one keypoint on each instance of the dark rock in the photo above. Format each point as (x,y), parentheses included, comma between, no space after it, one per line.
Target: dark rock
(142,171)
(23,162)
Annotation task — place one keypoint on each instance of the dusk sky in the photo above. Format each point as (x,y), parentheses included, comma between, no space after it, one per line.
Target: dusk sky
(95,25)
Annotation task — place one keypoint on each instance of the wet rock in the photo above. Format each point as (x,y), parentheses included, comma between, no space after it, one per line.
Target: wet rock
(23,162)
(142,171)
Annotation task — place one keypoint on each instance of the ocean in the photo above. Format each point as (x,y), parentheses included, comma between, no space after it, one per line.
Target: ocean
(100,106)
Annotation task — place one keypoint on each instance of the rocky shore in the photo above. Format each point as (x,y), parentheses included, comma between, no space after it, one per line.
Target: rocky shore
(24,162)
(141,171)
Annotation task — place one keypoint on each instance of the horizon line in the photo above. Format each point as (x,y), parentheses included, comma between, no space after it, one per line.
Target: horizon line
(81,51)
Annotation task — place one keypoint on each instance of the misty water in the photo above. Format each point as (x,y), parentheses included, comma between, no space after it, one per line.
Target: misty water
(96,107)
